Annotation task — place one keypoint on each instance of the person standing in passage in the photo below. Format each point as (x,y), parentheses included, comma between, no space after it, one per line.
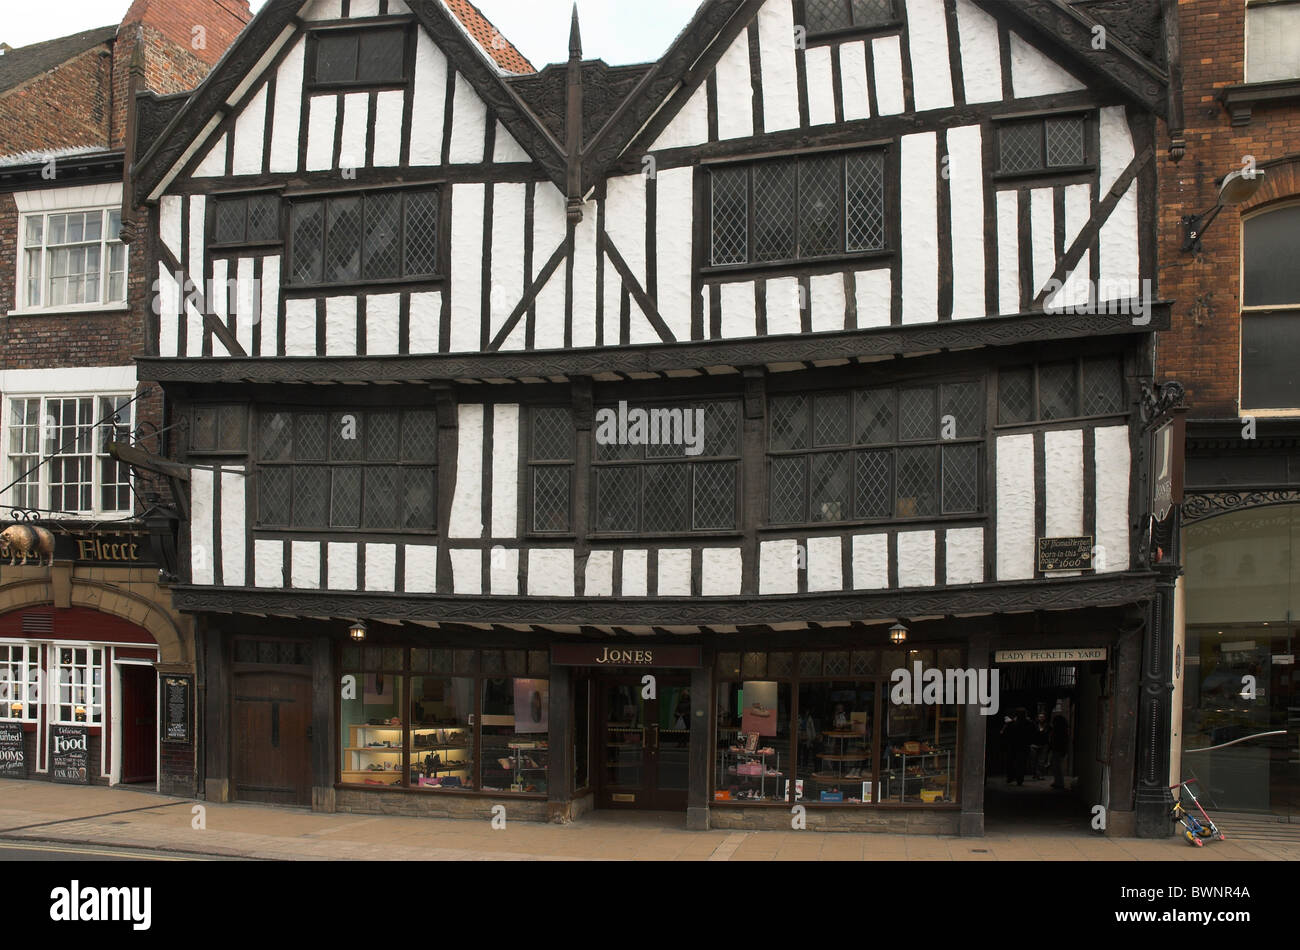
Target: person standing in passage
(1060,749)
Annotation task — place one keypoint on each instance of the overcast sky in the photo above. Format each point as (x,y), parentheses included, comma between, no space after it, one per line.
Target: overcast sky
(617,31)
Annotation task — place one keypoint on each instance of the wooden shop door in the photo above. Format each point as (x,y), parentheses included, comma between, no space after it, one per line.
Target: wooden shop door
(139,723)
(271,723)
(644,744)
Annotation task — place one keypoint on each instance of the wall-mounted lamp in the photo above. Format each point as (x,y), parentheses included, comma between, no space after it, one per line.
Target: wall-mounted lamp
(897,634)
(358,631)
(1238,186)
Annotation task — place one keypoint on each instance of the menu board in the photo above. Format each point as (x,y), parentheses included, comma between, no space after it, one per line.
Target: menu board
(70,755)
(177,725)
(11,751)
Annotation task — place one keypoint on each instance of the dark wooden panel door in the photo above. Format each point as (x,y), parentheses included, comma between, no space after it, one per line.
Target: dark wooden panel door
(271,723)
(643,743)
(139,723)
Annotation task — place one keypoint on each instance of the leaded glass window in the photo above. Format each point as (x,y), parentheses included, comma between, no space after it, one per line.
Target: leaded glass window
(801,208)
(907,452)
(827,16)
(247,219)
(1068,389)
(1042,144)
(376,236)
(550,466)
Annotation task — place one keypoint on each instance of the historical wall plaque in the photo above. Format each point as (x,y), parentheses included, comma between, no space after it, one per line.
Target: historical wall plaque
(70,755)
(1064,554)
(12,764)
(177,721)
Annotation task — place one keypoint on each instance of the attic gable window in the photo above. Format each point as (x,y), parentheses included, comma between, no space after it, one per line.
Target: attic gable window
(832,16)
(1043,145)
(799,208)
(369,57)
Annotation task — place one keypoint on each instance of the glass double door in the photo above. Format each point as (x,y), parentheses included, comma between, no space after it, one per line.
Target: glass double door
(644,741)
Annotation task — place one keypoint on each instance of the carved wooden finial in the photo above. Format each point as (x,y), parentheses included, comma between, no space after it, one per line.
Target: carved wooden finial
(575,37)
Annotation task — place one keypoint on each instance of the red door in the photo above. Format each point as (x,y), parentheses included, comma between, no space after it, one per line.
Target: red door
(139,723)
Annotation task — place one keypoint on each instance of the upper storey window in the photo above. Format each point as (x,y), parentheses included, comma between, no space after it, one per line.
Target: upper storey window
(72,260)
(796,209)
(1270,297)
(247,219)
(1272,40)
(375,236)
(830,16)
(370,57)
(1044,145)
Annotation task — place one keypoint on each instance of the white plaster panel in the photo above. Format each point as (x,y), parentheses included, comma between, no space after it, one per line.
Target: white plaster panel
(674,573)
(234,542)
(874,291)
(739,313)
(363,8)
(203,553)
(1116,146)
(381,568)
(467,267)
(250,136)
(964,549)
(548,333)
(625,213)
(388,128)
(783,316)
(1063,457)
(505,471)
(170,213)
(469,125)
(675,202)
(341,326)
(825,564)
(356,117)
(321,117)
(467,572)
(195,221)
(430,103)
(287,118)
(503,567)
(927,34)
(426,322)
(219,303)
(826,292)
(870,561)
(214,163)
(920,222)
(966,169)
(268,563)
(599,579)
(324,10)
(888,57)
(916,558)
(1119,250)
(778,567)
(1113,461)
(421,569)
(853,81)
(508,216)
(721,572)
(506,149)
(169,304)
(736,108)
(300,328)
(194,334)
(821,85)
(1008,252)
(1042,225)
(383,315)
(981,56)
(306,565)
(1035,74)
(245,299)
(636,582)
(1015,507)
(690,126)
(270,309)
(341,565)
(550,572)
(585,255)
(467,504)
(776,52)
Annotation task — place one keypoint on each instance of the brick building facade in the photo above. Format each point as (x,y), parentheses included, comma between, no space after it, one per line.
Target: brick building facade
(89,643)
(1234,346)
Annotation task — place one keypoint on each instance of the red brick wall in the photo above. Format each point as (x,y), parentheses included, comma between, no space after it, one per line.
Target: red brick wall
(1202,348)
(65,107)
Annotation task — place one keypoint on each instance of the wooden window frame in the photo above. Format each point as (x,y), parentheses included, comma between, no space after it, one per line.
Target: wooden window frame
(837,34)
(1089,117)
(351,28)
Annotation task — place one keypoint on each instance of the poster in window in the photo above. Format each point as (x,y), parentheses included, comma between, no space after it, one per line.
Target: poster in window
(532,705)
(12,764)
(70,755)
(760,708)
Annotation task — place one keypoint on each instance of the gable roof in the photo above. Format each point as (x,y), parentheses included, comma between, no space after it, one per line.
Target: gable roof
(502,51)
(19,65)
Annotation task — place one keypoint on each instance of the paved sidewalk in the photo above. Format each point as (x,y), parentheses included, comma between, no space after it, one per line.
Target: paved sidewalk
(39,811)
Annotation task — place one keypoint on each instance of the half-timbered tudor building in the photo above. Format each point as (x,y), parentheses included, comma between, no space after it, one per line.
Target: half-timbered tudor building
(608,436)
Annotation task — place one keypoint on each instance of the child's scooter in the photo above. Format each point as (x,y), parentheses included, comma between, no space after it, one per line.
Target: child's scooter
(1194,830)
